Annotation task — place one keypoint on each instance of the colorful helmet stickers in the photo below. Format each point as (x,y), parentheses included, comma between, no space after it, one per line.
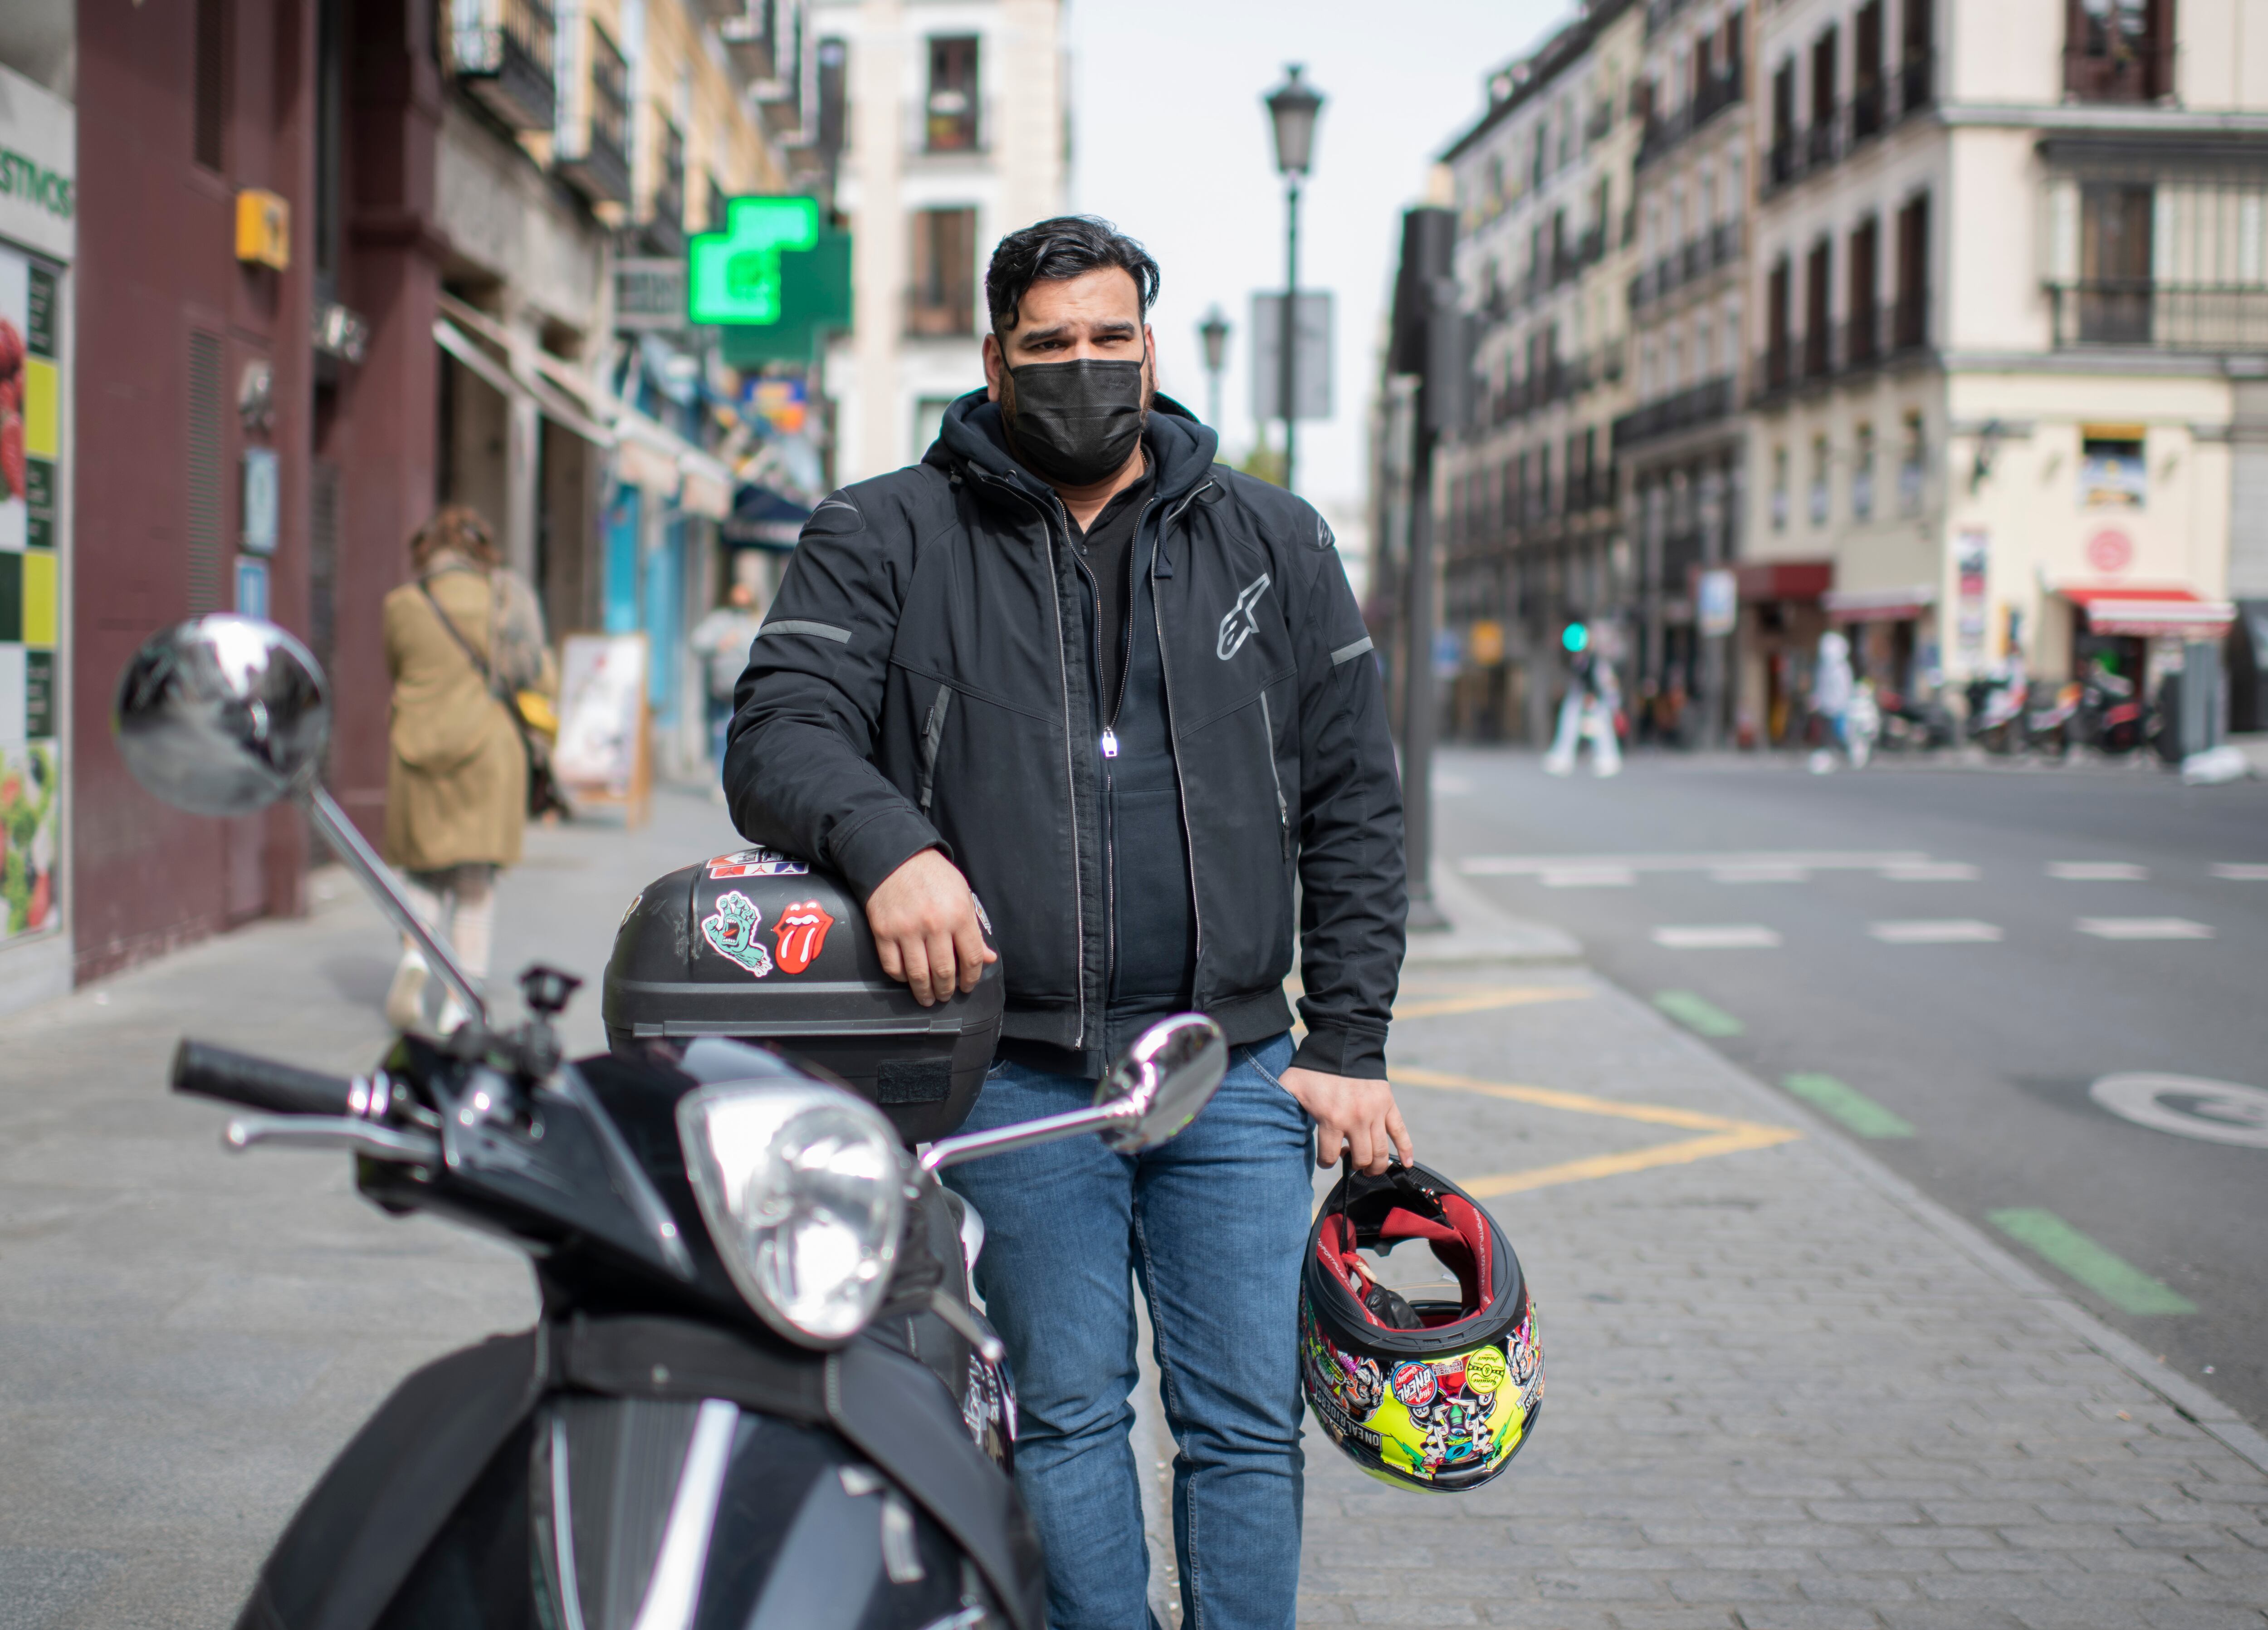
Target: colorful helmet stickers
(1449,1422)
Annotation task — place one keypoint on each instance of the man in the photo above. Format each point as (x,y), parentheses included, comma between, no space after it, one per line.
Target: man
(1126,693)
(722,638)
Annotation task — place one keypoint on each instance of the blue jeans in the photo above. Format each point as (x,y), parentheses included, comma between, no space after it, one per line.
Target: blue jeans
(1213,1225)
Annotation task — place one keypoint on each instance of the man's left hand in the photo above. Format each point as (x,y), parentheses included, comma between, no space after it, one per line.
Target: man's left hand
(1351,1115)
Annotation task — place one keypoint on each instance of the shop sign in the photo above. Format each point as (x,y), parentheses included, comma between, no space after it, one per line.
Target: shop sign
(260,500)
(1971,553)
(33,425)
(648,295)
(39,167)
(2109,550)
(1486,641)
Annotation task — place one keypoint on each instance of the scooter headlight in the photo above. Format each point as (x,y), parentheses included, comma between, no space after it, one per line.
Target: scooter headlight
(803,1194)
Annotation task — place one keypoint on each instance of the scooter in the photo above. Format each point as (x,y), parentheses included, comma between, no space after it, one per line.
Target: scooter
(757,1394)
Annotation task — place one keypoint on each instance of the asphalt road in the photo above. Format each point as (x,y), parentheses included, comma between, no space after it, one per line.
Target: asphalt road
(1949,961)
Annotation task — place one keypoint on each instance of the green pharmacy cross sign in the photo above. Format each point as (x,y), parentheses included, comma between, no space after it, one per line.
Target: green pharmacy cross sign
(734,274)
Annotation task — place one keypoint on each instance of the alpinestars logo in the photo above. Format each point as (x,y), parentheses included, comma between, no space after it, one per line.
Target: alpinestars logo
(1242,622)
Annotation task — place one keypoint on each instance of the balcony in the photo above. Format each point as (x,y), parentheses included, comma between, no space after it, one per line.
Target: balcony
(752,41)
(2138,311)
(595,159)
(1720,245)
(503,51)
(950,124)
(1696,404)
(1794,154)
(1883,335)
(2108,64)
(1664,134)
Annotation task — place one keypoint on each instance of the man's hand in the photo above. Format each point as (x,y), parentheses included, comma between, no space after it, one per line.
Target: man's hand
(1350,1114)
(925,923)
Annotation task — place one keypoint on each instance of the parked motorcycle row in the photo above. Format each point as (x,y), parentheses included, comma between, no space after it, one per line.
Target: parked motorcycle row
(758,1394)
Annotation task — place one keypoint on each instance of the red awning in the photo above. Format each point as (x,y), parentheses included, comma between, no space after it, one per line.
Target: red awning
(1784,579)
(2121,610)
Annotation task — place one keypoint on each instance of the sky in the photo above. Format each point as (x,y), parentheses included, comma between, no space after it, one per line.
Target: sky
(1171,142)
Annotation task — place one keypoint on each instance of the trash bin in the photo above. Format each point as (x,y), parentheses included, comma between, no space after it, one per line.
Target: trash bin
(757,946)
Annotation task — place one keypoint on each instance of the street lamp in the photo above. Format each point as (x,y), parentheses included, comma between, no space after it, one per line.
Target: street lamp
(1291,109)
(1214,332)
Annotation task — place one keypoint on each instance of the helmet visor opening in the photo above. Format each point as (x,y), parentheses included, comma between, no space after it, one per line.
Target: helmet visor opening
(1456,1231)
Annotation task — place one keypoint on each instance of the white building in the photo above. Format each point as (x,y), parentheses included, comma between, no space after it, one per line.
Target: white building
(2010,280)
(1545,250)
(1681,451)
(958,131)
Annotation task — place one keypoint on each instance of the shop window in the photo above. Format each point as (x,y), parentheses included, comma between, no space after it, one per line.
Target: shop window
(2111,473)
(1780,489)
(1819,461)
(944,291)
(1862,475)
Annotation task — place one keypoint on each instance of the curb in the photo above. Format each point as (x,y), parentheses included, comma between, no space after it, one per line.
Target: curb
(2191,1401)
(1483,932)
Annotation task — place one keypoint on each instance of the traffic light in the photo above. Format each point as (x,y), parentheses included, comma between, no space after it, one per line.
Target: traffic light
(1574,636)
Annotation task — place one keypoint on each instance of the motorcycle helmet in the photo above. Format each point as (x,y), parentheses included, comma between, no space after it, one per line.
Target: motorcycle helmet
(1423,1392)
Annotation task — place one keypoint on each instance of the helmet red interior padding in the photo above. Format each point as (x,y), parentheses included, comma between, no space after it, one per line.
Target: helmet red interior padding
(1460,1243)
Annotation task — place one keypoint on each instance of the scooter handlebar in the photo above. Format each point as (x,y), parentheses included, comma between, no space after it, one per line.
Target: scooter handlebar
(211,1072)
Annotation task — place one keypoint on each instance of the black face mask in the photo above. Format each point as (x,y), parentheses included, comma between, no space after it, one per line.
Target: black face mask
(1074,423)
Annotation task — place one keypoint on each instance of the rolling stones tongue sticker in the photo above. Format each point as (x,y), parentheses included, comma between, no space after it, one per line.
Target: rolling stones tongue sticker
(755,863)
(801,930)
(732,930)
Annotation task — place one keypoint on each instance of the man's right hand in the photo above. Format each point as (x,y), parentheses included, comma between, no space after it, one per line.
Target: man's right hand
(925,922)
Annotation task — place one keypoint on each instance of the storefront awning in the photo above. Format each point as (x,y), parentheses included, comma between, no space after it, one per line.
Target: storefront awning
(1783,579)
(552,401)
(2179,612)
(1878,605)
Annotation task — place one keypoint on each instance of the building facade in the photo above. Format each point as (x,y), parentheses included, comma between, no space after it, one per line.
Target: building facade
(1532,538)
(339,262)
(959,134)
(1681,449)
(2012,285)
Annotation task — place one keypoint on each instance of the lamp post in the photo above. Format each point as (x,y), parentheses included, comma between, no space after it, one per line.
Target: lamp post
(1214,331)
(1291,110)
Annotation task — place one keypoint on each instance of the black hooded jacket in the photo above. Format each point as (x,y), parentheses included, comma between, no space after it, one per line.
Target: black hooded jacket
(923,680)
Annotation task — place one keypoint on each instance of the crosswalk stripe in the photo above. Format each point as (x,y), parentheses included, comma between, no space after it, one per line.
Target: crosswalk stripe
(2098,871)
(2143,928)
(2241,872)
(1952,931)
(1718,937)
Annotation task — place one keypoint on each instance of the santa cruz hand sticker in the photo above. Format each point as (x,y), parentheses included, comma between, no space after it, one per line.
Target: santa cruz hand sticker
(731,931)
(801,932)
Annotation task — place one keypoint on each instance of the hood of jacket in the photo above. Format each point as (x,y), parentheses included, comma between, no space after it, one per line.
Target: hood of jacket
(973,438)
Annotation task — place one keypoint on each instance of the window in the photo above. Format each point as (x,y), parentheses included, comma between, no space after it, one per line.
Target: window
(1824,52)
(2118,50)
(1862,475)
(1909,465)
(1913,71)
(1861,346)
(951,126)
(669,188)
(1783,139)
(1867,101)
(1819,463)
(609,96)
(2114,264)
(1817,266)
(716,204)
(1780,489)
(1910,326)
(210,115)
(943,293)
(1777,321)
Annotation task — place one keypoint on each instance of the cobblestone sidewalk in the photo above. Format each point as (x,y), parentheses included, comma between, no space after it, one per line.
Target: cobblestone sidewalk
(1783,1391)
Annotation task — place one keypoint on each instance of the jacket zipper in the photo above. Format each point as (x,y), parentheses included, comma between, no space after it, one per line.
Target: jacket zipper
(1283,809)
(1172,742)
(1071,748)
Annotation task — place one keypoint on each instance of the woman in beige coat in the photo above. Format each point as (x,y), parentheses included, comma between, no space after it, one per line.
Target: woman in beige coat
(456,783)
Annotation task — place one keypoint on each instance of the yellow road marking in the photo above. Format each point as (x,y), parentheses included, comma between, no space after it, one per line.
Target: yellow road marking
(1481,1001)
(1724,1134)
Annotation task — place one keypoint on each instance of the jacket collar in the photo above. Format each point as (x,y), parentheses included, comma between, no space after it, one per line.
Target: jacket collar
(974,440)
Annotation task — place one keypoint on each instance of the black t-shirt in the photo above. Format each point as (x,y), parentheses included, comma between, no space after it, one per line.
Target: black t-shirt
(1105,547)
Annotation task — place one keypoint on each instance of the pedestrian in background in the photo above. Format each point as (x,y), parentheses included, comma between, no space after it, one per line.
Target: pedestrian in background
(723,637)
(1831,686)
(463,638)
(1587,711)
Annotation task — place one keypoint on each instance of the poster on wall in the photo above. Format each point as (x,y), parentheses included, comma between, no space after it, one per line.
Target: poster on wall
(1972,554)
(601,708)
(31,762)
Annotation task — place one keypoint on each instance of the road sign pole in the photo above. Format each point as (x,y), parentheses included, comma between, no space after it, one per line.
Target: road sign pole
(1287,372)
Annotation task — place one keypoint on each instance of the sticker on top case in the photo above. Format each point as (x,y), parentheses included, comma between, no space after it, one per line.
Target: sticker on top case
(983,921)
(801,930)
(756,863)
(731,930)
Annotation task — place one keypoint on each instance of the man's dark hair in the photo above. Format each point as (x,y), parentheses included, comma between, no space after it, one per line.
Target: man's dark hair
(1069,246)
